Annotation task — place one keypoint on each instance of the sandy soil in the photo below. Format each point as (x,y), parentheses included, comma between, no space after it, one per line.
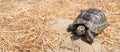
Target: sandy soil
(24,24)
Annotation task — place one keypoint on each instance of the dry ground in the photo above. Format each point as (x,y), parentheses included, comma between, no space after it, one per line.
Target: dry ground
(24,27)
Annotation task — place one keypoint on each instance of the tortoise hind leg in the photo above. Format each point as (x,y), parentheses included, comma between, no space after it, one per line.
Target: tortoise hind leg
(90,35)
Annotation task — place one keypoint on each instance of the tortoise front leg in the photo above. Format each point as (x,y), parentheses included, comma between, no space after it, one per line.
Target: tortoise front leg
(90,35)
(70,28)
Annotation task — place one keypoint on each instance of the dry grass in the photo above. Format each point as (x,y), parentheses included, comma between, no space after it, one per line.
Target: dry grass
(24,27)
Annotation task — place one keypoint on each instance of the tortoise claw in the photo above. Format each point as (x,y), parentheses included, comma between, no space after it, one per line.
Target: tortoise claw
(90,35)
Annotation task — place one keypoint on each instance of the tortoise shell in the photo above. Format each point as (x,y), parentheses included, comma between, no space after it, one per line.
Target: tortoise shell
(94,19)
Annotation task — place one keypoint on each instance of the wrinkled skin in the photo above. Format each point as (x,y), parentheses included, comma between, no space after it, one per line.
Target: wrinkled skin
(80,30)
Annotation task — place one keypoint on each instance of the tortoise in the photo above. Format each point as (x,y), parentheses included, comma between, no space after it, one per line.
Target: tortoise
(90,22)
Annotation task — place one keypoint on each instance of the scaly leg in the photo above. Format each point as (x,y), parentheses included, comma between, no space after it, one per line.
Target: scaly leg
(90,35)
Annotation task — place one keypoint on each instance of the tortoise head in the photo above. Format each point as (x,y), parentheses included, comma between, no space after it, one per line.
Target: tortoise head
(80,30)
